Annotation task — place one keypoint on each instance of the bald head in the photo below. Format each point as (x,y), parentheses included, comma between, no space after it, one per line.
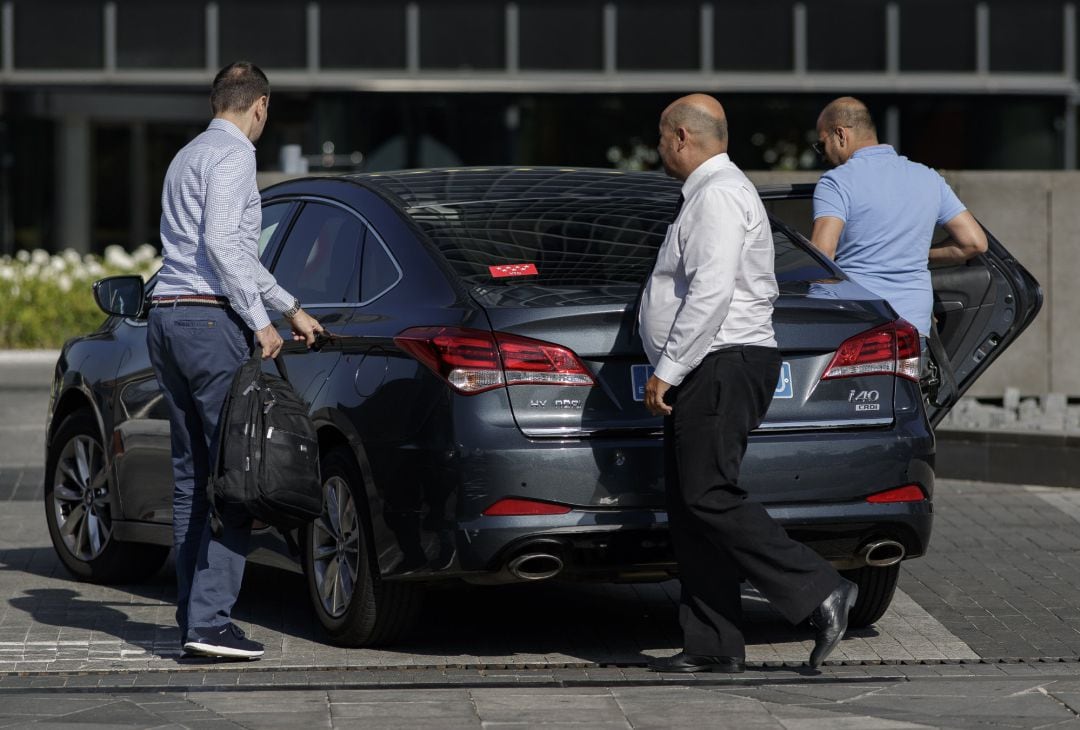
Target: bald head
(692,129)
(847,111)
(702,116)
(844,127)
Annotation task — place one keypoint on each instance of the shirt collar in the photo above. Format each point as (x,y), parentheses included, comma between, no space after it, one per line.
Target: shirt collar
(877,149)
(229,128)
(702,172)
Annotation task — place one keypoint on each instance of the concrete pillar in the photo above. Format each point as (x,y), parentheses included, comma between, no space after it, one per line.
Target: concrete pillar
(73,184)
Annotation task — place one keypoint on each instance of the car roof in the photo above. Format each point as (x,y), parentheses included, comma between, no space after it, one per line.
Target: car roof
(456,185)
(449,186)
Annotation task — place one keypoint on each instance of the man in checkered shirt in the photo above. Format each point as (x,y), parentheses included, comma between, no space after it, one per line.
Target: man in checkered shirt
(209,302)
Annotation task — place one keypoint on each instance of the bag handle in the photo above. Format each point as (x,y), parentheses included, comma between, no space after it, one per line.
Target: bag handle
(279,362)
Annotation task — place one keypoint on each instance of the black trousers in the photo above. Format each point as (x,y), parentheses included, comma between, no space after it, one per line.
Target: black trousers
(719,536)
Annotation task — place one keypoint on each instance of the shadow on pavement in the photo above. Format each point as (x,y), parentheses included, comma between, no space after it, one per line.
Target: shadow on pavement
(540,623)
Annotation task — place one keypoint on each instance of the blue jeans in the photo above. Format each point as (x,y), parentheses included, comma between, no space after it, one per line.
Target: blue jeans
(195,352)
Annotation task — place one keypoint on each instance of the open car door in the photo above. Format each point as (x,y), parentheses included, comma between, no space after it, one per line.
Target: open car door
(980,307)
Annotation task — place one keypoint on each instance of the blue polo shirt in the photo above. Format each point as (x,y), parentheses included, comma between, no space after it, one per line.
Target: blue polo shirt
(889,206)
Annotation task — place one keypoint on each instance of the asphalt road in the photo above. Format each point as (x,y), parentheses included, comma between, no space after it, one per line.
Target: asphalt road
(985,632)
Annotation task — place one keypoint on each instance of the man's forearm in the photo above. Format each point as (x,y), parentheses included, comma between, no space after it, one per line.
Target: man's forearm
(950,253)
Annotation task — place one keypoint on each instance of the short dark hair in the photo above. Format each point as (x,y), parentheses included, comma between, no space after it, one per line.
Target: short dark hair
(238,86)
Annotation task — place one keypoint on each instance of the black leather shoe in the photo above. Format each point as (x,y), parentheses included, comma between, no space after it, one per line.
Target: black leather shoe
(830,620)
(683,662)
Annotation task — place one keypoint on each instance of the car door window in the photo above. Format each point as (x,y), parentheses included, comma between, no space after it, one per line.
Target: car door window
(272,216)
(379,272)
(319,261)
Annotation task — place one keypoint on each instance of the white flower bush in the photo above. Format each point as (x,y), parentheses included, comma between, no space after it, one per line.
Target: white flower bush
(45,299)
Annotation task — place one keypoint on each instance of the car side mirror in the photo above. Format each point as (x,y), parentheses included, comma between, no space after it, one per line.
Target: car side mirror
(120,296)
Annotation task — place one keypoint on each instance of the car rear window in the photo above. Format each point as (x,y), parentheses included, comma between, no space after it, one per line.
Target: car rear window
(571,241)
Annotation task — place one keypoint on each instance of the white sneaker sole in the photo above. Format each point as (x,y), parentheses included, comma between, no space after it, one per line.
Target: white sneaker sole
(224,652)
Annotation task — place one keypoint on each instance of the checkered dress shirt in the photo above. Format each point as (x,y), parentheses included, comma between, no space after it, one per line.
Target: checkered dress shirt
(211,218)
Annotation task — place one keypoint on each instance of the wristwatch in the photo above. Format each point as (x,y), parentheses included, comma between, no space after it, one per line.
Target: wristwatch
(291,311)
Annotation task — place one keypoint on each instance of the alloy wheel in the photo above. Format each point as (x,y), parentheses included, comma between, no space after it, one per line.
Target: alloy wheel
(335,543)
(81,498)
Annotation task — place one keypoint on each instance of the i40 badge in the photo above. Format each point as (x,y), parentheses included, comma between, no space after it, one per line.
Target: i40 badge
(865,400)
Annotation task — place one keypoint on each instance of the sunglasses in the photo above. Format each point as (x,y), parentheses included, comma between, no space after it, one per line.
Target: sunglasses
(819,146)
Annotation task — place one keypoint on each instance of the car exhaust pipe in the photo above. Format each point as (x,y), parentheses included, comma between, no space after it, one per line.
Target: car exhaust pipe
(882,553)
(535,566)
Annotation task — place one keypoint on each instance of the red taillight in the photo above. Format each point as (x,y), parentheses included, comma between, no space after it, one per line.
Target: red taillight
(908,493)
(511,507)
(473,361)
(891,349)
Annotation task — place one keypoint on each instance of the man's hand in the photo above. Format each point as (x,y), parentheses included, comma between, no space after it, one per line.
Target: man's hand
(270,341)
(654,396)
(305,327)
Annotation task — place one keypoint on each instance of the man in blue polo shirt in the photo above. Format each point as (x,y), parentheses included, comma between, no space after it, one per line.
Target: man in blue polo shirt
(875,213)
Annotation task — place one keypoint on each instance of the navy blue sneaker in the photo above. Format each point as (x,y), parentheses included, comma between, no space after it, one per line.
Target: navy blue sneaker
(225,642)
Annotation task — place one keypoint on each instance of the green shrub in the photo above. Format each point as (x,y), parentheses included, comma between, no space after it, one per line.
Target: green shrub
(46,299)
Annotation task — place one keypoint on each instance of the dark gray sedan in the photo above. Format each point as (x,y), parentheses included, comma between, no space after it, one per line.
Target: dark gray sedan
(480,407)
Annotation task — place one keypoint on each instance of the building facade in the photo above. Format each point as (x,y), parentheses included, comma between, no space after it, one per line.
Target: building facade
(96,96)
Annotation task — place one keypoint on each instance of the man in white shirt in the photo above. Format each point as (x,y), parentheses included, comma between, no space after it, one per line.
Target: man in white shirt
(706,325)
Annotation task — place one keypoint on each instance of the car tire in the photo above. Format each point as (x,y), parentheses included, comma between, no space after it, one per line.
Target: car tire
(80,509)
(876,589)
(352,602)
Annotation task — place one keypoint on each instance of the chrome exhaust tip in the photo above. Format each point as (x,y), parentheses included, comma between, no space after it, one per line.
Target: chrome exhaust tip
(535,566)
(882,553)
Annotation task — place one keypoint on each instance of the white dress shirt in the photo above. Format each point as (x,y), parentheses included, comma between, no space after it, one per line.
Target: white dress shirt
(211,218)
(713,284)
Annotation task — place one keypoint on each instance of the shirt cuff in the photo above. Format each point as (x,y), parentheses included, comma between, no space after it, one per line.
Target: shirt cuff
(278,298)
(670,371)
(255,318)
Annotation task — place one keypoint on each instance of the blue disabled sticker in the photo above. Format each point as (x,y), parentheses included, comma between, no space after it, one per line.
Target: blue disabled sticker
(639,375)
(784,386)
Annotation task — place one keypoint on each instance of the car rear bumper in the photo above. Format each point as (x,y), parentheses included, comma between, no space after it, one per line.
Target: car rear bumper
(815,483)
(634,544)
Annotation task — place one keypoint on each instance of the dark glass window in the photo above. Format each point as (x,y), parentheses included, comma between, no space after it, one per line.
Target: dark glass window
(272,216)
(1026,36)
(269,33)
(573,242)
(462,35)
(937,36)
(379,272)
(570,241)
(846,35)
(319,261)
(561,35)
(61,34)
(751,35)
(794,263)
(994,133)
(160,34)
(658,36)
(111,176)
(361,35)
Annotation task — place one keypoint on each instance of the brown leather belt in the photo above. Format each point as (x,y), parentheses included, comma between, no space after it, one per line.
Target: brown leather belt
(191,300)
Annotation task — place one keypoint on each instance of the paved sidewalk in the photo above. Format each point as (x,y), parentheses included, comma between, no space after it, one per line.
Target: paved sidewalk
(1002,581)
(867,698)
